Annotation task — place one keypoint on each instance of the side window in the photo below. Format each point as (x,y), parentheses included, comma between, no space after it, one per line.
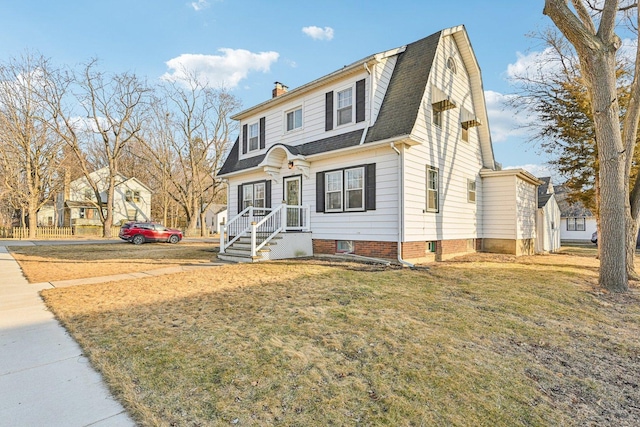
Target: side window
(432,189)
(471,191)
(294,119)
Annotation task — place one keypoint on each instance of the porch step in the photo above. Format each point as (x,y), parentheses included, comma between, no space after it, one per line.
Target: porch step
(240,251)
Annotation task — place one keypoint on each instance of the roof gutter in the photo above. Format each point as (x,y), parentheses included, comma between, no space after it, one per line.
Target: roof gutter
(400,203)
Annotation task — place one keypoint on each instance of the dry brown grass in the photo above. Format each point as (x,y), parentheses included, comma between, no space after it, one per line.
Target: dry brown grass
(64,262)
(480,342)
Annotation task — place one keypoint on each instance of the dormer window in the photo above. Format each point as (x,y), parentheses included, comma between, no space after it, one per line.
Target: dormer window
(294,119)
(344,110)
(254,136)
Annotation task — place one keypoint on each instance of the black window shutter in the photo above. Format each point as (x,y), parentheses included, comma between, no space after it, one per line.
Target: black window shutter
(328,110)
(245,130)
(360,101)
(262,132)
(239,198)
(267,194)
(320,192)
(370,187)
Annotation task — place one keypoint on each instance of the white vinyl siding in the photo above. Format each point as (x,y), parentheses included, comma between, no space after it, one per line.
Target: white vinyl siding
(433,199)
(442,148)
(499,207)
(527,200)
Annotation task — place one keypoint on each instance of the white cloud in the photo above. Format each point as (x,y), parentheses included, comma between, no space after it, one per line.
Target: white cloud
(199,5)
(227,69)
(504,122)
(318,33)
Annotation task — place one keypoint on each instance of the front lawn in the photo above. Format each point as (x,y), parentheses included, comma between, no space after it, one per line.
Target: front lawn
(492,341)
(49,263)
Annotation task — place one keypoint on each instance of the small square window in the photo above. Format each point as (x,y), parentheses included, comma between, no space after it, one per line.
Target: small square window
(465,132)
(294,119)
(431,247)
(345,246)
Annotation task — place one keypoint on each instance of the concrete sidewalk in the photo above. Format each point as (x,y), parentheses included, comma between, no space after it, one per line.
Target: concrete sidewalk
(45,380)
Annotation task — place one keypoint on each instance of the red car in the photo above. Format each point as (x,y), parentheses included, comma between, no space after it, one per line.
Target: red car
(141,232)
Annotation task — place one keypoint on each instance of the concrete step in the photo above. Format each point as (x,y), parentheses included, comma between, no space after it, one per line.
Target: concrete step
(237,258)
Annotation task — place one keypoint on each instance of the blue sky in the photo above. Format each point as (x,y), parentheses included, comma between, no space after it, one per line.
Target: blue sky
(249,44)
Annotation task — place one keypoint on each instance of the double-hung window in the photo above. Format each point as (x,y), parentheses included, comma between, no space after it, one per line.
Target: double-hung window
(254,136)
(294,119)
(333,196)
(576,224)
(344,190)
(432,189)
(471,191)
(253,195)
(344,111)
(354,189)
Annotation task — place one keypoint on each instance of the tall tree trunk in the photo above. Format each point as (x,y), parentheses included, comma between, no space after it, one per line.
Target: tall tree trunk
(33,221)
(614,201)
(204,231)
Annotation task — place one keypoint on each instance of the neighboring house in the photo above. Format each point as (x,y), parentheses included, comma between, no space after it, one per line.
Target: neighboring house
(390,156)
(214,216)
(577,222)
(47,215)
(78,204)
(548,218)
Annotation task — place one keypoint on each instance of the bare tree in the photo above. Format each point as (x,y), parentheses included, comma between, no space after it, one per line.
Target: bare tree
(29,150)
(191,133)
(590,26)
(112,108)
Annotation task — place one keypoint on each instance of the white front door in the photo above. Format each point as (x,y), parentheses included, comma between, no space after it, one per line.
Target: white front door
(293,197)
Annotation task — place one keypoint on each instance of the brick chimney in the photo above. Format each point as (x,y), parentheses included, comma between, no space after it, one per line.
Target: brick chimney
(279,90)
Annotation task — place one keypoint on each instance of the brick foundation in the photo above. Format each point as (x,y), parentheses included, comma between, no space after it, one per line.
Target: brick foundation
(410,250)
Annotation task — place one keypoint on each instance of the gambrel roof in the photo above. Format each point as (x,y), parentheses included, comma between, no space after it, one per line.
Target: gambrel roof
(399,109)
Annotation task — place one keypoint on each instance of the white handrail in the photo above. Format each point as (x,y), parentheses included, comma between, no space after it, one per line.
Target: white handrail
(254,228)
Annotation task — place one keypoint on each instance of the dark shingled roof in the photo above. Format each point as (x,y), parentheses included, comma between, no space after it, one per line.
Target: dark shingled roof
(397,115)
(543,196)
(569,210)
(408,82)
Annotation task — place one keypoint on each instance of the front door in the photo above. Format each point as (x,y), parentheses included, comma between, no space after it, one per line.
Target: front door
(293,197)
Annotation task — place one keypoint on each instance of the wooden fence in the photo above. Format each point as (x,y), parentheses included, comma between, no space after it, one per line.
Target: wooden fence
(55,232)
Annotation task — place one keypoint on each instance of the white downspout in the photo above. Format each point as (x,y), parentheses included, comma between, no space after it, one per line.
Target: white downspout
(400,204)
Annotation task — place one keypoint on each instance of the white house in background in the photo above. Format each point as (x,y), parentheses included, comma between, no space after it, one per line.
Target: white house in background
(548,218)
(390,156)
(214,216)
(79,206)
(577,222)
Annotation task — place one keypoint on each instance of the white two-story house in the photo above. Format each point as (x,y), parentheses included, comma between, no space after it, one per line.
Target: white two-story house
(78,205)
(388,157)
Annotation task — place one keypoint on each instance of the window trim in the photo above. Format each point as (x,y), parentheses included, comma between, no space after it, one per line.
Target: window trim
(472,183)
(429,170)
(336,108)
(437,117)
(286,119)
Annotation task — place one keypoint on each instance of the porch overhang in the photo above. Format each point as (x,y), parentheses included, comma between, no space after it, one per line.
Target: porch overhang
(279,156)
